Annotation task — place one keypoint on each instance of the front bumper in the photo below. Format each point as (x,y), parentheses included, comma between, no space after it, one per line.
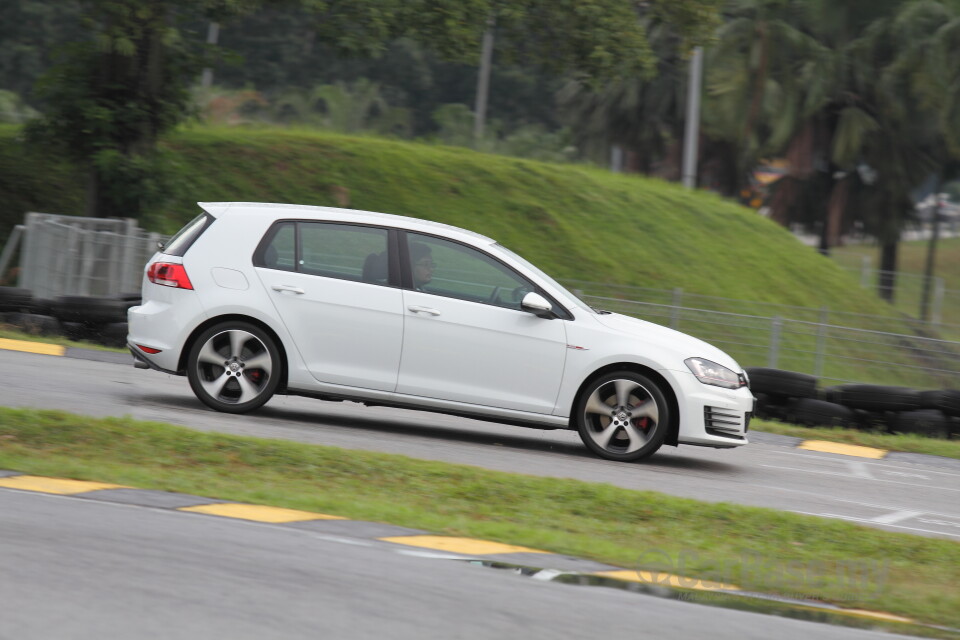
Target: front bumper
(711,416)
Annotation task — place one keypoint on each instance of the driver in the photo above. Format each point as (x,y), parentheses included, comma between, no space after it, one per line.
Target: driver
(421,264)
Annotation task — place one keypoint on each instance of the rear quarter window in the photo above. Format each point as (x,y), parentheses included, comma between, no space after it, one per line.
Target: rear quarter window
(184,239)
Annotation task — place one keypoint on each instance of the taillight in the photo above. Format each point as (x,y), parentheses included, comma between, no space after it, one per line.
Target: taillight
(169,275)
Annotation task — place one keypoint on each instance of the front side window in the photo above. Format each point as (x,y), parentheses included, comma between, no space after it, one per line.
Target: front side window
(457,271)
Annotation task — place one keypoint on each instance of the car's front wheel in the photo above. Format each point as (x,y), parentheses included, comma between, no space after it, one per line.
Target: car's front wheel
(234,367)
(622,416)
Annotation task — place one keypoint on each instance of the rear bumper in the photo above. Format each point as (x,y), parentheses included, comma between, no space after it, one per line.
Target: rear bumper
(143,361)
(164,325)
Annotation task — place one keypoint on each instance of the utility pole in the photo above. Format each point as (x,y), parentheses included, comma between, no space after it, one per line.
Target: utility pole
(931,258)
(213,34)
(691,136)
(483,81)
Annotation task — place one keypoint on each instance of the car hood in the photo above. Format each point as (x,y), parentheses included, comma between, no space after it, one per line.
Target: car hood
(684,345)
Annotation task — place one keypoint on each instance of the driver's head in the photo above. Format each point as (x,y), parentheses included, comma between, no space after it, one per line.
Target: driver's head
(421,263)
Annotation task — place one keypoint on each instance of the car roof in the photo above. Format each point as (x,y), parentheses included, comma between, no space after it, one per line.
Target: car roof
(308,212)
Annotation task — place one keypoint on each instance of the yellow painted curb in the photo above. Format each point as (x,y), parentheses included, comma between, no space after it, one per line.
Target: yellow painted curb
(666,580)
(460,545)
(875,614)
(843,449)
(32,347)
(258,513)
(60,486)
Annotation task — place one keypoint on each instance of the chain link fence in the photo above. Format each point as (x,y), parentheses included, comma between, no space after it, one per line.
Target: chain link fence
(834,346)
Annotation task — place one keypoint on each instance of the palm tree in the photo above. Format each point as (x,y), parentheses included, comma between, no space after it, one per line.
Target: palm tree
(755,79)
(641,115)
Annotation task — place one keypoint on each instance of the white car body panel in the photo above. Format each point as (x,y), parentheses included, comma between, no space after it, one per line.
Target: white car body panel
(348,333)
(480,354)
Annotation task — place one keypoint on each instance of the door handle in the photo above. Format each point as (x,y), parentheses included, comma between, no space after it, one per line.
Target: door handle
(417,309)
(287,287)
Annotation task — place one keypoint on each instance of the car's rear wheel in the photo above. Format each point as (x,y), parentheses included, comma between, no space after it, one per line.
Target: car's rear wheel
(234,367)
(622,416)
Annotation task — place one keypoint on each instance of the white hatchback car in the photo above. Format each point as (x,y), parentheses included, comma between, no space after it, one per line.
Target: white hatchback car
(249,300)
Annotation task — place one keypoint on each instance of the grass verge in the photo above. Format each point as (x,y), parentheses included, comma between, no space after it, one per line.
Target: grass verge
(757,549)
(906,442)
(10,333)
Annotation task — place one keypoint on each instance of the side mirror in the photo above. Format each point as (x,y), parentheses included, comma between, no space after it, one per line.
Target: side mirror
(161,244)
(536,304)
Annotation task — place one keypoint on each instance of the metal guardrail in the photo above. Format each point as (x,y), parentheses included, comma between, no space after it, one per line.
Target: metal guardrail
(832,352)
(680,298)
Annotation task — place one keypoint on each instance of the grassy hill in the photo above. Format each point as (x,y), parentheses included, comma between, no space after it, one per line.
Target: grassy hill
(573,221)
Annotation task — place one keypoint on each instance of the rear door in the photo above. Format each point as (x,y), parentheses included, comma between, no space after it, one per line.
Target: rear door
(334,289)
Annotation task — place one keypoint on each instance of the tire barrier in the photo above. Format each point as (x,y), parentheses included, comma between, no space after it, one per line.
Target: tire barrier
(96,319)
(789,396)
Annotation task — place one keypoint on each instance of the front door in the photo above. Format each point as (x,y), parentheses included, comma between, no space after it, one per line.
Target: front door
(467,340)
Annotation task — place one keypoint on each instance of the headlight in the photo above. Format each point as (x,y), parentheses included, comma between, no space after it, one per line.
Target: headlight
(718,375)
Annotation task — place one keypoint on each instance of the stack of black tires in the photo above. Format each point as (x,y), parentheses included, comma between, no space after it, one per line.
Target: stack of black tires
(796,398)
(97,319)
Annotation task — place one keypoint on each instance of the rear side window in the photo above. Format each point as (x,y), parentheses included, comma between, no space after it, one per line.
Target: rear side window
(279,249)
(342,251)
(179,243)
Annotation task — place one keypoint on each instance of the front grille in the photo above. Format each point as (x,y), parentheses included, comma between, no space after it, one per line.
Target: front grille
(725,423)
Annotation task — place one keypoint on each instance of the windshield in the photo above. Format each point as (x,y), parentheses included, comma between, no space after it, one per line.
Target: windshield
(543,276)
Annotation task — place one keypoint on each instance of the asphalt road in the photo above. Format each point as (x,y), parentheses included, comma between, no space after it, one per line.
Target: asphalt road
(911,494)
(78,569)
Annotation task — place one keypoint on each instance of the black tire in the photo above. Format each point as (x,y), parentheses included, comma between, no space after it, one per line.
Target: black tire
(34,324)
(76,331)
(870,397)
(771,407)
(113,334)
(819,413)
(42,306)
(15,299)
(781,383)
(90,310)
(246,377)
(947,401)
(928,422)
(622,416)
(831,394)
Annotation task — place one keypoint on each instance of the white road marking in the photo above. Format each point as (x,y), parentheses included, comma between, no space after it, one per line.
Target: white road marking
(907,475)
(860,470)
(879,463)
(887,507)
(847,475)
(896,516)
(942,523)
(868,521)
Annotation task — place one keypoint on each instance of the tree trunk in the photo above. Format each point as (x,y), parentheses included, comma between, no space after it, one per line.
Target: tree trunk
(835,208)
(759,80)
(886,283)
(93,194)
